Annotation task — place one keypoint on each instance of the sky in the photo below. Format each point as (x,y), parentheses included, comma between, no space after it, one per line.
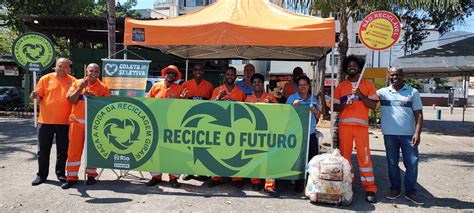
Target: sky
(468,26)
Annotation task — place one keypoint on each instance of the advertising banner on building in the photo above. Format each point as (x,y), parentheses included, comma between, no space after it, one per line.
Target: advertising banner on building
(228,139)
(125,77)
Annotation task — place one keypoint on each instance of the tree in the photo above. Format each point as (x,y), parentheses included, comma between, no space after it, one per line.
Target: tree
(111,27)
(417,14)
(7,36)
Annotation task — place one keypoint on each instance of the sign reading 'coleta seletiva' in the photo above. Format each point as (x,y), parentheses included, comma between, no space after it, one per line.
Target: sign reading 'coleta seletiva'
(197,137)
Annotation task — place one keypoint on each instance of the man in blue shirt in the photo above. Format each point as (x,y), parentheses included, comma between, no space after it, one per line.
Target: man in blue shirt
(246,84)
(402,121)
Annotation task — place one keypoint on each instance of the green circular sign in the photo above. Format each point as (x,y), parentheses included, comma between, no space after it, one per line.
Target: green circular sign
(33,51)
(125,133)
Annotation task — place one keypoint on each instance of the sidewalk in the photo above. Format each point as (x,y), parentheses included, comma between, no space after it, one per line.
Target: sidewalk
(445,182)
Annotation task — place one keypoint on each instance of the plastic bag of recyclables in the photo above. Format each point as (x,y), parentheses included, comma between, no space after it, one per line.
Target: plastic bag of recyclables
(329,179)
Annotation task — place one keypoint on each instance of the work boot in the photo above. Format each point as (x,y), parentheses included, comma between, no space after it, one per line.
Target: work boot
(174,183)
(393,194)
(238,184)
(62,179)
(272,193)
(257,187)
(68,184)
(370,197)
(154,182)
(91,181)
(213,183)
(37,181)
(414,199)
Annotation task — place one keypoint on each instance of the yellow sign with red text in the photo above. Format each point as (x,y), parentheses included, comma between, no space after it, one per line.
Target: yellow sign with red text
(379,30)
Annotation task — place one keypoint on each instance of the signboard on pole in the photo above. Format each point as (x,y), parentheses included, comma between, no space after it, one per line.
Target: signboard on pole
(125,77)
(33,51)
(380,30)
(228,139)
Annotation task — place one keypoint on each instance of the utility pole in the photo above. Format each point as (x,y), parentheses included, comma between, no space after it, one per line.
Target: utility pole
(111,27)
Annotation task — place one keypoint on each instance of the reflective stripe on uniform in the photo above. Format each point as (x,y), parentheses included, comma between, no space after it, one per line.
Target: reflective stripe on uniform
(75,163)
(155,174)
(336,101)
(82,121)
(367,179)
(354,120)
(365,169)
(373,97)
(72,173)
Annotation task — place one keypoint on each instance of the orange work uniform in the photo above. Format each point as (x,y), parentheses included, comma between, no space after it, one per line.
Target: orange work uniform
(77,129)
(353,125)
(202,91)
(159,90)
(235,95)
(54,107)
(289,89)
(264,98)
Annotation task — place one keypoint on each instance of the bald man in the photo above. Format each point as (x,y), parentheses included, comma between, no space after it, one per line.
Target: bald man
(90,85)
(53,119)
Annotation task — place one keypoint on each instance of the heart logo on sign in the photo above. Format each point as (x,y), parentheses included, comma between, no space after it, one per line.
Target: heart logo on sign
(111,69)
(33,52)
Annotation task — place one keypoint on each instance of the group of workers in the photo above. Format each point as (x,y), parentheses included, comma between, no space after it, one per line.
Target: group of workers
(61,99)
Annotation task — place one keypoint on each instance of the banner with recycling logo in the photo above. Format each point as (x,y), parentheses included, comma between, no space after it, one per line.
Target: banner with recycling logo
(212,138)
(33,51)
(125,77)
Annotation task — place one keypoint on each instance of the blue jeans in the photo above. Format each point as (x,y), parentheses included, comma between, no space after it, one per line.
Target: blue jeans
(393,143)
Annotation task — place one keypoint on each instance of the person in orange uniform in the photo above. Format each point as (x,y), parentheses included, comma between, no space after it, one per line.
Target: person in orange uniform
(166,89)
(354,104)
(291,87)
(53,119)
(228,92)
(88,86)
(260,96)
(197,88)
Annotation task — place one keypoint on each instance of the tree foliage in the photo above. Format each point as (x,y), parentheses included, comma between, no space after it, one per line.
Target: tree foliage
(417,15)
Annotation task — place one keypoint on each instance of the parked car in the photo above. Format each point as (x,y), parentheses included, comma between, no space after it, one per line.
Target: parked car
(10,97)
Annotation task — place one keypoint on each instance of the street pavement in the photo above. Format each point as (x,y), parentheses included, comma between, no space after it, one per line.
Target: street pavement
(445,179)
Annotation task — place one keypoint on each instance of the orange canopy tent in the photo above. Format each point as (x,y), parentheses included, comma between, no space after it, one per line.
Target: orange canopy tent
(236,29)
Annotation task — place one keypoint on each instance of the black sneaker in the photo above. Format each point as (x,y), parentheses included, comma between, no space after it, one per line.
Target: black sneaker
(370,197)
(257,187)
(238,184)
(68,184)
(272,193)
(91,181)
(37,181)
(62,179)
(154,182)
(213,183)
(174,183)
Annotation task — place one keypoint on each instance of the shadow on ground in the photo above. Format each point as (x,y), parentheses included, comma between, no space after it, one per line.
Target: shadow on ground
(453,128)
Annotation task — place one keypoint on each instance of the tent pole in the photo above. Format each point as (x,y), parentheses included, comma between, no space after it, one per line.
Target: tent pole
(187,66)
(466,81)
(333,61)
(125,52)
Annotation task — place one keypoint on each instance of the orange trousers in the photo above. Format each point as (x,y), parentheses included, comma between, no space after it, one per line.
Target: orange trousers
(74,152)
(347,135)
